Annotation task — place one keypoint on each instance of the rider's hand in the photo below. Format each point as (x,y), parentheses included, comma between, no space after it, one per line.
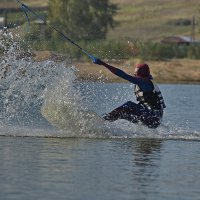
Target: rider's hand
(97,61)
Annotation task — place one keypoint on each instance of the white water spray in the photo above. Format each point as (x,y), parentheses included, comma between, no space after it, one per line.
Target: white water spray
(46,99)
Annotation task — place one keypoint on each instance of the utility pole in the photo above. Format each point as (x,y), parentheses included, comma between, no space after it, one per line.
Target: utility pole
(193,29)
(5,18)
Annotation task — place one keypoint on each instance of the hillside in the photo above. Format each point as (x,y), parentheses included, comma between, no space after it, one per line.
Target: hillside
(149,19)
(154,19)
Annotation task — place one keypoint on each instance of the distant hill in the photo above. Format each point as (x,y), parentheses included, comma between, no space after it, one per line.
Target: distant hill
(154,19)
(146,19)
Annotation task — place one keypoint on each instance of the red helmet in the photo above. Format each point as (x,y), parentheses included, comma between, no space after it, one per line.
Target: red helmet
(142,71)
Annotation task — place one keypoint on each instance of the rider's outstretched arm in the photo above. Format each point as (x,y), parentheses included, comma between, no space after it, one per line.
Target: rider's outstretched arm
(119,72)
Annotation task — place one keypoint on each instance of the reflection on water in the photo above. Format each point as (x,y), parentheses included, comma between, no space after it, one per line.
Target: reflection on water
(98,168)
(146,156)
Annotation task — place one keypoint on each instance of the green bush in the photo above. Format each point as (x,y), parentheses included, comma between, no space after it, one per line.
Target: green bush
(154,51)
(157,51)
(145,50)
(180,22)
(194,51)
(109,49)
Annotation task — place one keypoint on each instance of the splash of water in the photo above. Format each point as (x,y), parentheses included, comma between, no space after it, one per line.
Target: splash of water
(46,99)
(35,93)
(23,81)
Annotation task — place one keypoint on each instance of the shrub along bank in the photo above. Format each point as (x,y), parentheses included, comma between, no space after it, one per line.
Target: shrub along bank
(141,49)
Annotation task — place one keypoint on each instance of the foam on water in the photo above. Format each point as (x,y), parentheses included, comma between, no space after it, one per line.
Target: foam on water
(45,99)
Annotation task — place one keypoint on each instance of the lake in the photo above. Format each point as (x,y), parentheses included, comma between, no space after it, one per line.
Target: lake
(56,147)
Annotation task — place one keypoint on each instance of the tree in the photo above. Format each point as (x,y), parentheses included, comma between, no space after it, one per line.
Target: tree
(83,19)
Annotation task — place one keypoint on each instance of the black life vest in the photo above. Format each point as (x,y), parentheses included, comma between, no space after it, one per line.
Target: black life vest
(152,100)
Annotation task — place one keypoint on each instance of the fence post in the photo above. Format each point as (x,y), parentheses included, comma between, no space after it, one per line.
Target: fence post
(5,18)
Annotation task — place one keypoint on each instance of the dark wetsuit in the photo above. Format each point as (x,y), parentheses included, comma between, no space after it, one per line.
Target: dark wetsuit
(149,110)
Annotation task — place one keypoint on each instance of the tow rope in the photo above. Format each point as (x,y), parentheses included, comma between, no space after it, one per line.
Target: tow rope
(26,9)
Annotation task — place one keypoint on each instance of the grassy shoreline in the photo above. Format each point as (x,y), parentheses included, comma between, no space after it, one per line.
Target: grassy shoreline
(185,71)
(174,71)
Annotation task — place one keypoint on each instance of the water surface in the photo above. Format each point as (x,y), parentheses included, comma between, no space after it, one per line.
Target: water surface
(55,145)
(81,168)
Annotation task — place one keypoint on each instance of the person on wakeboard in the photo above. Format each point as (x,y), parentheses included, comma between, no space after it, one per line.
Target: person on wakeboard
(150,106)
